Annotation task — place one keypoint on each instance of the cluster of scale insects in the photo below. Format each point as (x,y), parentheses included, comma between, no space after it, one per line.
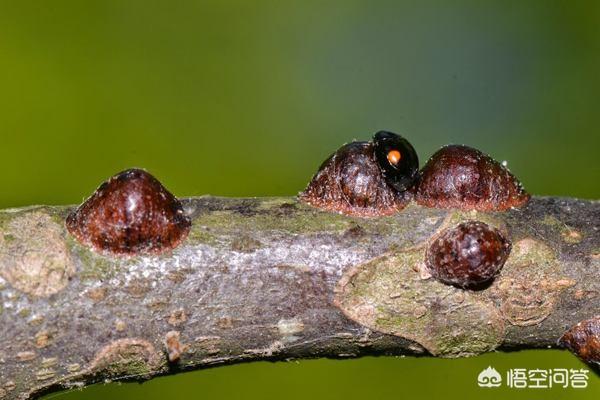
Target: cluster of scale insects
(133,213)
(382,176)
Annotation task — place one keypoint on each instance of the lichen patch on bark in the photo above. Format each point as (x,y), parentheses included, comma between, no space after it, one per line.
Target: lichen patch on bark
(33,253)
(207,345)
(131,357)
(568,234)
(530,283)
(389,295)
(281,215)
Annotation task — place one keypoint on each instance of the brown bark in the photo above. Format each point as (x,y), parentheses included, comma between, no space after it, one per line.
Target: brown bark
(274,279)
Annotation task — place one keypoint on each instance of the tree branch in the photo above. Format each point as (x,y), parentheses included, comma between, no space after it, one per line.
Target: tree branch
(274,279)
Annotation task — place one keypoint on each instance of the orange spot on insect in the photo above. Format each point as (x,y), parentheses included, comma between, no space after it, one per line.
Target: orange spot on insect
(394,157)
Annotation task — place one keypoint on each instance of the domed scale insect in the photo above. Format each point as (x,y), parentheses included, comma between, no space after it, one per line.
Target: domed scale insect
(365,179)
(464,178)
(131,213)
(380,177)
(467,255)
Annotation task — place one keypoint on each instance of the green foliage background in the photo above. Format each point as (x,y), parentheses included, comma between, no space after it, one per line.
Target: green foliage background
(246,98)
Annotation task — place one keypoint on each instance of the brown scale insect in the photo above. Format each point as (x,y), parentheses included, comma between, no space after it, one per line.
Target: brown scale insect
(173,346)
(583,339)
(365,179)
(464,178)
(131,213)
(467,255)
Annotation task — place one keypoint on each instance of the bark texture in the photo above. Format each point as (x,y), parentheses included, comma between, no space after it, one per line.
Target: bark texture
(274,279)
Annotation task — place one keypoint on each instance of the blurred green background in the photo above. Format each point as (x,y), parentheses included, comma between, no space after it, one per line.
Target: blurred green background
(246,98)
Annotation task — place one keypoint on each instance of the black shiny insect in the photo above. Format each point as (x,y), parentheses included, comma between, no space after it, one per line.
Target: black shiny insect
(397,158)
(365,178)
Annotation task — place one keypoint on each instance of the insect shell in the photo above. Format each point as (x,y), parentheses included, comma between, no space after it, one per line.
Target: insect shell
(380,177)
(583,339)
(366,179)
(131,213)
(467,255)
(464,178)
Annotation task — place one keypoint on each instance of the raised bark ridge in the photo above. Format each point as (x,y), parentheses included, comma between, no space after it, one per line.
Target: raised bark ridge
(272,279)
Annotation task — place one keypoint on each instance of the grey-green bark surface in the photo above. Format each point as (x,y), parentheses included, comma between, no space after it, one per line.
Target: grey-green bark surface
(274,279)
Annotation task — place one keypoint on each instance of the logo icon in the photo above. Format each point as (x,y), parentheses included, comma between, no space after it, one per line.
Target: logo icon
(489,377)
